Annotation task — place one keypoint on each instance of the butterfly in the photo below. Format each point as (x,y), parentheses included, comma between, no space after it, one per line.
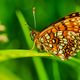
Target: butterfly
(61,38)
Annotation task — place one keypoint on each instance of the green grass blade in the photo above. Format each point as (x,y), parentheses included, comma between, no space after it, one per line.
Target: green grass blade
(75,60)
(12,54)
(5,74)
(56,73)
(39,66)
(78,71)
(25,29)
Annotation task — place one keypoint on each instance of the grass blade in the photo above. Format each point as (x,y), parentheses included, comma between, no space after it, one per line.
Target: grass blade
(56,73)
(12,54)
(42,75)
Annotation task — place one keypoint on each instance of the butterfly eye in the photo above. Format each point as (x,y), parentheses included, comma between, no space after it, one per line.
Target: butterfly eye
(33,34)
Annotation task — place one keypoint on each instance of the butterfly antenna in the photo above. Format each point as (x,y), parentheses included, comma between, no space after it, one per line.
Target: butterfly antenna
(34,17)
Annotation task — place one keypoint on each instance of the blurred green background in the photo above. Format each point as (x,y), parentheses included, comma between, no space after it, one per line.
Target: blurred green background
(47,12)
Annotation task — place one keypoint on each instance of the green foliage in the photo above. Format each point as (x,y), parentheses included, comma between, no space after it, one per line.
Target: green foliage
(17,60)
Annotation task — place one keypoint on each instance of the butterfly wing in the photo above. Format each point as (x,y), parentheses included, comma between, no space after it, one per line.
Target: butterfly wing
(60,37)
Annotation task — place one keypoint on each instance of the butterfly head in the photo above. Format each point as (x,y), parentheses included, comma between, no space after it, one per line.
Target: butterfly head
(34,34)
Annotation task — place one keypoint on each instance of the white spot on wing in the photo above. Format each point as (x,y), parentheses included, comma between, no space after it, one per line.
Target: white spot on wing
(50,45)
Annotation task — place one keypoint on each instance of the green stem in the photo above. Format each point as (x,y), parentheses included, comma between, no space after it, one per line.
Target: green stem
(25,28)
(11,54)
(56,71)
(42,75)
(75,60)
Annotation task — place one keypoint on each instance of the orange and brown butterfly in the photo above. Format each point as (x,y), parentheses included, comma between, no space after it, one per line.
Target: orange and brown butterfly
(61,38)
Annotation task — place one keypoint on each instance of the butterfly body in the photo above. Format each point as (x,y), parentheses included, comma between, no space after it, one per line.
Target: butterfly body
(61,38)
